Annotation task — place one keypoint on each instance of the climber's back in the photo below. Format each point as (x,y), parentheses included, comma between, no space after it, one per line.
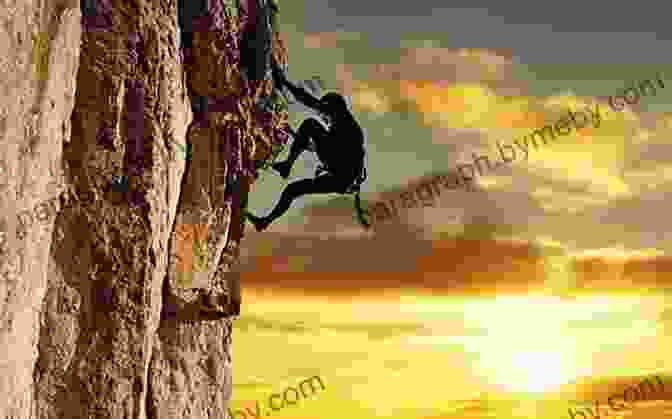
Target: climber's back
(346,138)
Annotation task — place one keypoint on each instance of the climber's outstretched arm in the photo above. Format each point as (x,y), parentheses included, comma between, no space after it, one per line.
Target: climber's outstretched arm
(303,96)
(299,93)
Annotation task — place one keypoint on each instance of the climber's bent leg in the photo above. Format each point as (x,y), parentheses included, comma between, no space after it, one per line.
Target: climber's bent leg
(309,129)
(319,185)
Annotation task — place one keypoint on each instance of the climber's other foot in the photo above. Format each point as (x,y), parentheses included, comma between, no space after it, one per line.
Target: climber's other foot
(283,168)
(260,223)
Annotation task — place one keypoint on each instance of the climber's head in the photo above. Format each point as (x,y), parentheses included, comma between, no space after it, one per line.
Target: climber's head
(333,104)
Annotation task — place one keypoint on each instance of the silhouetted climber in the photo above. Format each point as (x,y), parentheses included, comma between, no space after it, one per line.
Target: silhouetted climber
(340,149)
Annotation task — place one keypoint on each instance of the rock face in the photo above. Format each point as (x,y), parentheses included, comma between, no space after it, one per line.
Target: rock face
(115,247)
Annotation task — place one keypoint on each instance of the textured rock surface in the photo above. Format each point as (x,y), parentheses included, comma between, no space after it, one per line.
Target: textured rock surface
(94,321)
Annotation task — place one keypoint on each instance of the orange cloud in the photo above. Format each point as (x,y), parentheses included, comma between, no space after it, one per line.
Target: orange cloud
(449,66)
(314,40)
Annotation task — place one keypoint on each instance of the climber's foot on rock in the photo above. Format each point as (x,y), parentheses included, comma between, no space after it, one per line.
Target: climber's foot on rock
(283,168)
(260,223)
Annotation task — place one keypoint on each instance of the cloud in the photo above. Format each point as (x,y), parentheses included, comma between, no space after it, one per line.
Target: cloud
(431,72)
(363,95)
(450,66)
(593,159)
(469,262)
(316,40)
(370,99)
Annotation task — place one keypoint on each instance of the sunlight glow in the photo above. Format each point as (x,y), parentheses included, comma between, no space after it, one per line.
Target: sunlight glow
(533,371)
(536,343)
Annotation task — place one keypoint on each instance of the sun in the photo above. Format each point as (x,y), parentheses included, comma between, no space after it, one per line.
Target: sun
(533,356)
(537,371)
(530,372)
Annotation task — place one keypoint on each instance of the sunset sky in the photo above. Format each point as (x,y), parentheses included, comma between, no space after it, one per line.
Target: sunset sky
(431,85)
